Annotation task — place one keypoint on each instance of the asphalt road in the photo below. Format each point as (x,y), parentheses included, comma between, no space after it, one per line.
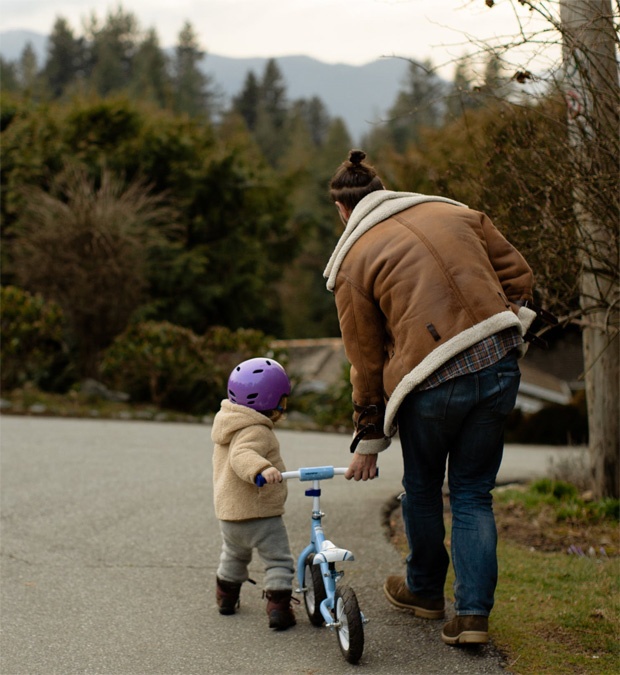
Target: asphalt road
(109,550)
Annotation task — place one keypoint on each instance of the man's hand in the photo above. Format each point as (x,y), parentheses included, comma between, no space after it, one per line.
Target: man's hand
(272,475)
(362,467)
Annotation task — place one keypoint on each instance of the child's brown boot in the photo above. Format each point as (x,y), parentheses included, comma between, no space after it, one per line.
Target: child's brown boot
(227,596)
(279,609)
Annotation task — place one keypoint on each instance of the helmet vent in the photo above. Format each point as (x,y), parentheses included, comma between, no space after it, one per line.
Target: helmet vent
(252,396)
(260,370)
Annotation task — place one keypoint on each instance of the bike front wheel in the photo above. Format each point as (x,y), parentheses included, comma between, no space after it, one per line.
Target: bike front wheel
(350,630)
(314,591)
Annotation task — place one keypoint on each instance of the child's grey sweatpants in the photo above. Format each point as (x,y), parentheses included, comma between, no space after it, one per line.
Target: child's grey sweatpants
(269,537)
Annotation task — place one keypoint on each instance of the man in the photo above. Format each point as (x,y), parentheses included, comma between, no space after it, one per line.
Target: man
(430,301)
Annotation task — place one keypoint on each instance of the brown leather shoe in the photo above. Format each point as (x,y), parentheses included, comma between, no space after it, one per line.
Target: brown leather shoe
(227,596)
(279,610)
(467,629)
(396,591)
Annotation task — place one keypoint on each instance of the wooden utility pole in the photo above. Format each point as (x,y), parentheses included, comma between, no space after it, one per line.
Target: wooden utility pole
(593,94)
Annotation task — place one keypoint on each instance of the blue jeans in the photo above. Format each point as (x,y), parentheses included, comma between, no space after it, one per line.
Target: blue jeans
(462,421)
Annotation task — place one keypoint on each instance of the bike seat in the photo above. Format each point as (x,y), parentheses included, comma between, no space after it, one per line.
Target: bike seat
(330,553)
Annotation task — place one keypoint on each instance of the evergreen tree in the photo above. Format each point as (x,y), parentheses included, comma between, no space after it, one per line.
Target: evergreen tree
(461,96)
(417,106)
(272,114)
(273,94)
(113,49)
(65,56)
(247,102)
(308,310)
(150,80)
(191,85)
(300,150)
(495,84)
(9,79)
(316,116)
(28,69)
(335,149)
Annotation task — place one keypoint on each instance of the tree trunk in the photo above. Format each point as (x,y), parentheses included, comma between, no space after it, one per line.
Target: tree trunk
(593,93)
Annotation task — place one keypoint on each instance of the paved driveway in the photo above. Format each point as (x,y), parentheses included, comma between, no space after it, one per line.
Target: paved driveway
(110,546)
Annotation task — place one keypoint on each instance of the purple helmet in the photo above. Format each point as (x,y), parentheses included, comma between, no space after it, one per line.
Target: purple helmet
(259,384)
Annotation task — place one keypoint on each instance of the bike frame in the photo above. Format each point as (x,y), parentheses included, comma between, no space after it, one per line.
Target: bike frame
(329,574)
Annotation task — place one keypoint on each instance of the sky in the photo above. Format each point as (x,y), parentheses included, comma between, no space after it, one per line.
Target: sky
(334,31)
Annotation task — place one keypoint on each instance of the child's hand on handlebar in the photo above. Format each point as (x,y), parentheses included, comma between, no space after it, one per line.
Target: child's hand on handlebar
(272,475)
(362,467)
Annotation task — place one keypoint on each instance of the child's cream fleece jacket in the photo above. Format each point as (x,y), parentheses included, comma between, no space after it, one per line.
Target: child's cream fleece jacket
(245,445)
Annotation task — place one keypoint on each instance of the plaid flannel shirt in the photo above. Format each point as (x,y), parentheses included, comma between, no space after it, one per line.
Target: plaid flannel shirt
(481,355)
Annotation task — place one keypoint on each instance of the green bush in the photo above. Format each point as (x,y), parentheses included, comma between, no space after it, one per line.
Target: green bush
(32,338)
(173,367)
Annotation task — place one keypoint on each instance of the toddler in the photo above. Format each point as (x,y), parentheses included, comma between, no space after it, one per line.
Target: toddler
(251,517)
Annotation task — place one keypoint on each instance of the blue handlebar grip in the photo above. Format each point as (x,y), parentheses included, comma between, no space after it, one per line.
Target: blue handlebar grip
(316,473)
(260,480)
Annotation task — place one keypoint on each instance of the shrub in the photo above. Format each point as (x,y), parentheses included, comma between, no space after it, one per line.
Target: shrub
(83,242)
(32,337)
(173,367)
(152,359)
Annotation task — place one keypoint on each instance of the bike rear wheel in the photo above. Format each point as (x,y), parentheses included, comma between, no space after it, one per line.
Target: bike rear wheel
(350,632)
(314,592)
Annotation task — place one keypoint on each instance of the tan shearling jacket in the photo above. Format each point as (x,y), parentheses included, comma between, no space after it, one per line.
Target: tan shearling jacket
(245,445)
(416,288)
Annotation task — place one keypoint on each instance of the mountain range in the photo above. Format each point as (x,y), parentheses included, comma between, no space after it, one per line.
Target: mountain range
(360,95)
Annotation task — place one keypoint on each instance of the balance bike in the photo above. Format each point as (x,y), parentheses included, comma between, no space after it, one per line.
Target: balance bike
(326,602)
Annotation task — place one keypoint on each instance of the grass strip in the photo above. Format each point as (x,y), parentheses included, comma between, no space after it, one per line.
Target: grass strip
(555,613)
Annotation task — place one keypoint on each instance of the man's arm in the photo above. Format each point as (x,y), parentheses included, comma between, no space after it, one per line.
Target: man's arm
(510,266)
(363,336)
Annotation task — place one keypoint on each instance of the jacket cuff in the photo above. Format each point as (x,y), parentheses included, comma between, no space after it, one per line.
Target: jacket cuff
(372,446)
(526,317)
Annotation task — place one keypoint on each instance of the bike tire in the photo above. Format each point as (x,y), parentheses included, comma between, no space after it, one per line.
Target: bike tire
(350,633)
(314,592)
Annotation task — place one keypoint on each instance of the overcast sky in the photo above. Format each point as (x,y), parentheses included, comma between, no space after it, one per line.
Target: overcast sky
(334,31)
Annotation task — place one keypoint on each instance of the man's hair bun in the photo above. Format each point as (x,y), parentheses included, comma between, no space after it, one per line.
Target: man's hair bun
(357,156)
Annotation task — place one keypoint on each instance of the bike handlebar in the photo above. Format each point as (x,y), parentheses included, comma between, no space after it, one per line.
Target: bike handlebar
(309,473)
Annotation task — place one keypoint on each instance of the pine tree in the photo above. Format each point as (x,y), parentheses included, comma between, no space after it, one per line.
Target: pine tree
(28,69)
(272,114)
(8,76)
(113,49)
(273,94)
(495,83)
(191,85)
(247,102)
(65,56)
(461,96)
(316,116)
(150,80)
(418,105)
